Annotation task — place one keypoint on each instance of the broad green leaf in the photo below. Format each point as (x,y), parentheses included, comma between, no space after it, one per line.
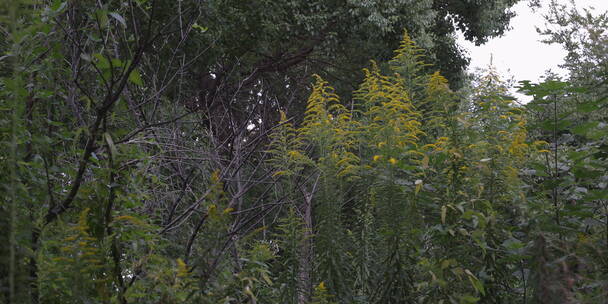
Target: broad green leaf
(597,195)
(101,16)
(587,107)
(102,62)
(116,63)
(135,78)
(584,128)
(477,284)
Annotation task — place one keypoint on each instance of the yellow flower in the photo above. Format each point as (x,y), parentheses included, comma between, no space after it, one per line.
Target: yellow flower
(377,157)
(393,161)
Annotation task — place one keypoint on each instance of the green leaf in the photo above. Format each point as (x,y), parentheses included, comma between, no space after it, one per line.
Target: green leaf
(468,299)
(578,89)
(598,134)
(587,107)
(597,195)
(540,169)
(478,285)
(135,78)
(110,142)
(102,17)
(117,63)
(549,125)
(584,128)
(58,6)
(512,244)
(102,62)
(585,173)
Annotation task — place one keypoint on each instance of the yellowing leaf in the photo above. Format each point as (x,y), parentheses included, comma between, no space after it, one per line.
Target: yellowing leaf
(425,162)
(418,184)
(279,173)
(182,268)
(445,264)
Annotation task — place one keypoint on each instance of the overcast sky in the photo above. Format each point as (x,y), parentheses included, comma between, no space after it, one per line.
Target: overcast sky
(519,53)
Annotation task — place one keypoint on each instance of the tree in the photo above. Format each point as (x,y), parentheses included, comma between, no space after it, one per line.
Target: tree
(568,121)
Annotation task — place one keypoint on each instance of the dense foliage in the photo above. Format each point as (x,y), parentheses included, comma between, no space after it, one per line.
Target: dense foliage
(214,152)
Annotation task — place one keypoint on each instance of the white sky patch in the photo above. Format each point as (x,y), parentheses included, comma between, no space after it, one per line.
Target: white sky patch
(520,54)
